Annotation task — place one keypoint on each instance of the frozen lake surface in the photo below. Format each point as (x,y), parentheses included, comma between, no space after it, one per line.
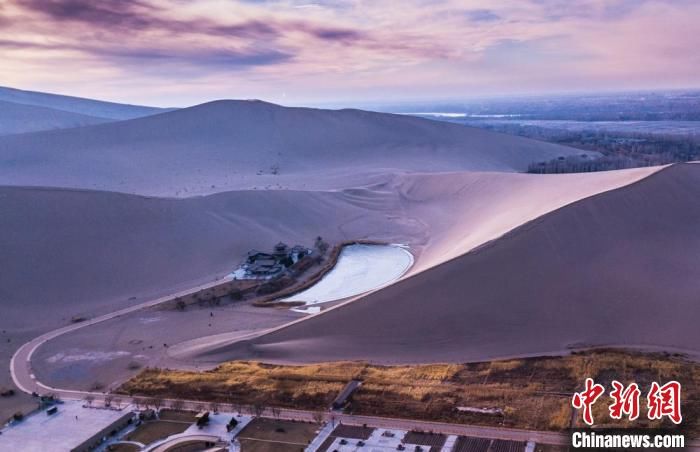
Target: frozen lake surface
(360,268)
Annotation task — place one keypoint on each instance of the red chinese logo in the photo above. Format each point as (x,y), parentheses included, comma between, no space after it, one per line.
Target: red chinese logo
(625,401)
(665,401)
(662,401)
(587,398)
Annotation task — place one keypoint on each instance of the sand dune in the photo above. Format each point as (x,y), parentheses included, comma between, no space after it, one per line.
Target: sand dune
(270,173)
(229,145)
(19,118)
(73,252)
(190,239)
(619,268)
(79,105)
(82,252)
(462,211)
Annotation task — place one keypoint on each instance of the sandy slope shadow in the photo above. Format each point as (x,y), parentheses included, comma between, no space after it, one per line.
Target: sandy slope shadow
(120,246)
(621,268)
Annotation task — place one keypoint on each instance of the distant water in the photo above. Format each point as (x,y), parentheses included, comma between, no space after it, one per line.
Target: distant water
(436,114)
(360,268)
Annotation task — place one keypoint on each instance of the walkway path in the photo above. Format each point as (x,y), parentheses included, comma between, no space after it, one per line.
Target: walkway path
(321,437)
(449,443)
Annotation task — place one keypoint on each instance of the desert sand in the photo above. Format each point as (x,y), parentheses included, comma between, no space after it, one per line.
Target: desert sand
(158,245)
(462,211)
(80,253)
(88,252)
(70,250)
(111,352)
(232,145)
(78,105)
(19,118)
(621,268)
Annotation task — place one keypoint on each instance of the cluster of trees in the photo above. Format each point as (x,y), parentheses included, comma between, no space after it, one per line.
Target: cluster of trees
(275,285)
(271,286)
(258,408)
(577,164)
(619,150)
(209,297)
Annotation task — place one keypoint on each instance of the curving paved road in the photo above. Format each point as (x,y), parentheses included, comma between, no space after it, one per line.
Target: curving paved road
(20,364)
(24,378)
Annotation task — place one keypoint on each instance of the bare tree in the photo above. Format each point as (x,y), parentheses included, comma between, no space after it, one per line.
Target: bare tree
(258,409)
(157,403)
(318,417)
(276,412)
(89,399)
(214,407)
(108,400)
(321,245)
(117,401)
(178,405)
(150,402)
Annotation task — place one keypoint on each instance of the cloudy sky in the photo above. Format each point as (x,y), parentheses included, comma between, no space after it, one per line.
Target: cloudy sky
(181,52)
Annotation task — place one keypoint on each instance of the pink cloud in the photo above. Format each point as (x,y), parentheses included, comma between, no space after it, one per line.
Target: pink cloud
(292,51)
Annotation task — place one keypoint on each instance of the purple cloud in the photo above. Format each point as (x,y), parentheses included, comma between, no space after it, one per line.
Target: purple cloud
(258,40)
(212,58)
(131,14)
(218,58)
(144,31)
(137,15)
(337,34)
(253,29)
(482,15)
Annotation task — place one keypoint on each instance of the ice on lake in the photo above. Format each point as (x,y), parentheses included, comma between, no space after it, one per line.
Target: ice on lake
(360,268)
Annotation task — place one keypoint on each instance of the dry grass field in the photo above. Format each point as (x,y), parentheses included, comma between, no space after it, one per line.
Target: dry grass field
(177,415)
(533,393)
(271,435)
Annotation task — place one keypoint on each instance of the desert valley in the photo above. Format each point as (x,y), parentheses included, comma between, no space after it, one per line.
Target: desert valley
(121,237)
(349,226)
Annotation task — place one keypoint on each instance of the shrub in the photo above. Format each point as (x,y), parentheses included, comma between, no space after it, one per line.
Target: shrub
(321,245)
(304,264)
(275,285)
(5,392)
